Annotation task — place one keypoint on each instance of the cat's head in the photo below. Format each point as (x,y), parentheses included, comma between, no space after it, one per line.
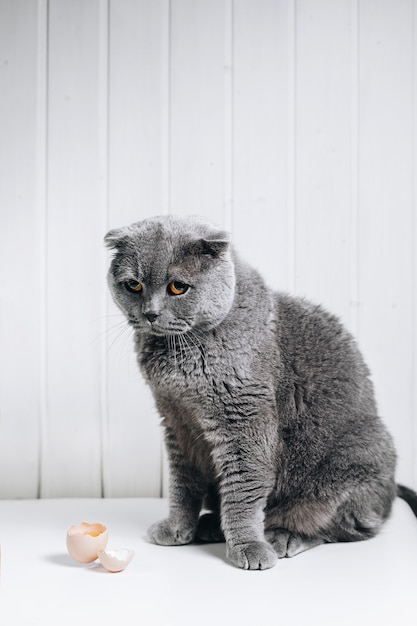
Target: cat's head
(170,275)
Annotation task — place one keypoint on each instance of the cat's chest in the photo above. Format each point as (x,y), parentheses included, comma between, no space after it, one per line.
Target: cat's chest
(207,380)
(178,362)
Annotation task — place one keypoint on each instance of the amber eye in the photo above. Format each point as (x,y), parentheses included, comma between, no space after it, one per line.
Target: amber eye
(175,288)
(133,285)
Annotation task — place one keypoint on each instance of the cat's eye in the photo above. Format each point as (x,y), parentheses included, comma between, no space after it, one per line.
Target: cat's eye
(133,285)
(176,288)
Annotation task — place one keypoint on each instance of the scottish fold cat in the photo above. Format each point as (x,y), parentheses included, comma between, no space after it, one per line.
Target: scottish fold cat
(271,428)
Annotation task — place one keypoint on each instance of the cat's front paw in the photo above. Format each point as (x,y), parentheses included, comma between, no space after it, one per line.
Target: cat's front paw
(253,555)
(166,533)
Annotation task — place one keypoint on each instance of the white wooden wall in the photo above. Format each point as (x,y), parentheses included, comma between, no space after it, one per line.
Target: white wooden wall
(292,122)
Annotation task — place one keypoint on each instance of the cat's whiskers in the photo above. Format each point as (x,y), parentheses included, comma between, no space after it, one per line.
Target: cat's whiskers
(183,347)
(113,334)
(125,334)
(178,349)
(104,333)
(186,349)
(173,347)
(195,340)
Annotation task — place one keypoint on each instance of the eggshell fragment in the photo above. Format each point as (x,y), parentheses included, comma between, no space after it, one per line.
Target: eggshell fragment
(116,560)
(85,541)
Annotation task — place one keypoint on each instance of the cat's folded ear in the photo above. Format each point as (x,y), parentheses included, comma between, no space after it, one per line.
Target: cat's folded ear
(117,237)
(214,245)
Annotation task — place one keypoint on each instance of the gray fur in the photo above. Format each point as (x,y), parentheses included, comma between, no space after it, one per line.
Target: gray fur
(267,405)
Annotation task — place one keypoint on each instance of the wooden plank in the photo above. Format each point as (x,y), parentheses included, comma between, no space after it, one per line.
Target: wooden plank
(325,110)
(138,188)
(71,447)
(387,112)
(20,254)
(263,136)
(138,100)
(199,117)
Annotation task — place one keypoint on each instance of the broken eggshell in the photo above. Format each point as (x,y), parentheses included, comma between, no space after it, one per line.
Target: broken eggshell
(85,541)
(115,560)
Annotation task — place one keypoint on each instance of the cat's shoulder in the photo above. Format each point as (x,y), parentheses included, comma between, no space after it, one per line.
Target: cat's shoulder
(301,319)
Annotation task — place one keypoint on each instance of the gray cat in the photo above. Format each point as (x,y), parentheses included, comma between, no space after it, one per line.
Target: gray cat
(269,413)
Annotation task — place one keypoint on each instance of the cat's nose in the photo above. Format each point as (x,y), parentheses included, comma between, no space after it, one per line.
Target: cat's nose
(151,316)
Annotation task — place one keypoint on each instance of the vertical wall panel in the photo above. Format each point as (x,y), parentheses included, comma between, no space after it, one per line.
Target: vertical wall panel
(262,133)
(20,267)
(198,52)
(71,449)
(138,100)
(386,211)
(324,109)
(138,181)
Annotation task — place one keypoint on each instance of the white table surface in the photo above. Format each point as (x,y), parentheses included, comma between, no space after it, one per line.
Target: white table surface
(368,583)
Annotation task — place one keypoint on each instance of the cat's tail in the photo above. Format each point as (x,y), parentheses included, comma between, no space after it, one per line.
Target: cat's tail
(409,496)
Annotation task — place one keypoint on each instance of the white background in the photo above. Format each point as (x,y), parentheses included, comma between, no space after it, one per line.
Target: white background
(291,122)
